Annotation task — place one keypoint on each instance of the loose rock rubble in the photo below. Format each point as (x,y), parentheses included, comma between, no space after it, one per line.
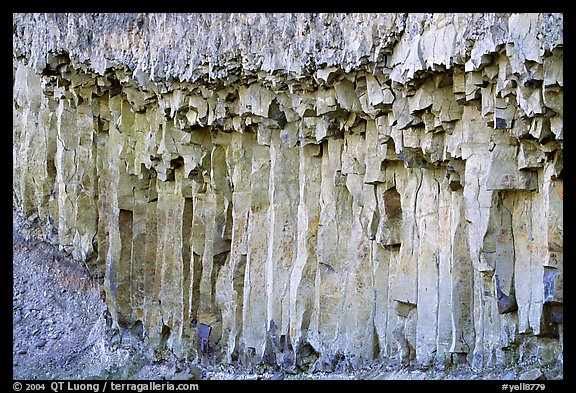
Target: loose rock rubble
(58,316)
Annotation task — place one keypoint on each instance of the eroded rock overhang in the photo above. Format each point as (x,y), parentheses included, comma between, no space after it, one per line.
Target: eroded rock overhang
(306,190)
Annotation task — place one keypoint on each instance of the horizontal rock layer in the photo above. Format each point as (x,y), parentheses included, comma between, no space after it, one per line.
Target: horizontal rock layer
(303,190)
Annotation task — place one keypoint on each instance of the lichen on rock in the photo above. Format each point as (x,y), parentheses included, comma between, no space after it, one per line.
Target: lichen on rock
(303,191)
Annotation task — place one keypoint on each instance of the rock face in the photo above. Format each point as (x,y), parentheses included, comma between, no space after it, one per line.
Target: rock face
(304,191)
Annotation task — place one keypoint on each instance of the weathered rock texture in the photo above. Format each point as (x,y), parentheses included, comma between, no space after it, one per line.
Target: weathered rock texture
(304,190)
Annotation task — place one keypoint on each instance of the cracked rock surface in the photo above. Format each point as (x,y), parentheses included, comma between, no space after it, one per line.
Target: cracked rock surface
(303,192)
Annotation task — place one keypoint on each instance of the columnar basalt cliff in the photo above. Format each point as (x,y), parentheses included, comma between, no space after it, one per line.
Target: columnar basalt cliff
(307,191)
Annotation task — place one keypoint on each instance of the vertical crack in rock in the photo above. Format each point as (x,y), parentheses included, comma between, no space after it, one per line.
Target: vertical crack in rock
(305,192)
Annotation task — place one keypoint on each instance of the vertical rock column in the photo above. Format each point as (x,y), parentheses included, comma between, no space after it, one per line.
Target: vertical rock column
(333,234)
(302,277)
(255,321)
(169,254)
(34,145)
(282,236)
(428,220)
(231,284)
(462,300)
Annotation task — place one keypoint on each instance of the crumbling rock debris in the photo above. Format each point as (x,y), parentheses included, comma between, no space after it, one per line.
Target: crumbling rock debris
(533,375)
(311,191)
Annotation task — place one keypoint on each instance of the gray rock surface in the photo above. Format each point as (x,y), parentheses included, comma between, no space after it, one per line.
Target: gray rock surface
(303,191)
